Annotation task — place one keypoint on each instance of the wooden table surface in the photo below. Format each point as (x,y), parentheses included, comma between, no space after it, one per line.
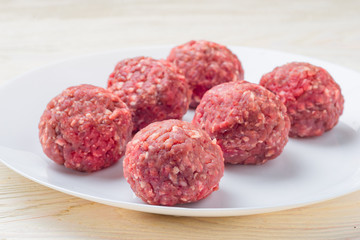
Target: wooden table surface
(36,32)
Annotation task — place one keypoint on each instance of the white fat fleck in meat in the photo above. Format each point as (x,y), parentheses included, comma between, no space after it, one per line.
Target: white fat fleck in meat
(142,184)
(139,84)
(194,134)
(175,170)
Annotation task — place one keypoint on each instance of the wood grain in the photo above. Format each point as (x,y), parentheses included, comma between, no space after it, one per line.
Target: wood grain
(34,33)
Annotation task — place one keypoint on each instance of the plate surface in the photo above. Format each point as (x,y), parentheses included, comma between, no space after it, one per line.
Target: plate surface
(308,171)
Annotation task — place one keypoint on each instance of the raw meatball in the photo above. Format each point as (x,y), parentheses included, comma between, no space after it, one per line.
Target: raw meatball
(205,64)
(154,90)
(312,97)
(249,122)
(173,162)
(85,128)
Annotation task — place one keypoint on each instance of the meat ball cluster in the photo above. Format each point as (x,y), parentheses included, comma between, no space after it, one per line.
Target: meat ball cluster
(86,128)
(169,161)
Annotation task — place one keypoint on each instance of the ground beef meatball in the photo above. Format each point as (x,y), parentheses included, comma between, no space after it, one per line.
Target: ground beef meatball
(154,90)
(85,128)
(173,162)
(205,64)
(249,122)
(312,97)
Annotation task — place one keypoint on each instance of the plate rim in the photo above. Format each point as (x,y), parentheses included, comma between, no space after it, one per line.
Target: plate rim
(183,211)
(153,47)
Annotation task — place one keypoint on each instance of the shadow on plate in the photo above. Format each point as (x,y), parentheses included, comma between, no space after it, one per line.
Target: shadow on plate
(340,135)
(282,168)
(111,173)
(218,199)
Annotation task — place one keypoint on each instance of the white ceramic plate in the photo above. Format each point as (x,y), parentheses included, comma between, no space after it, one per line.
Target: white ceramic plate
(308,171)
